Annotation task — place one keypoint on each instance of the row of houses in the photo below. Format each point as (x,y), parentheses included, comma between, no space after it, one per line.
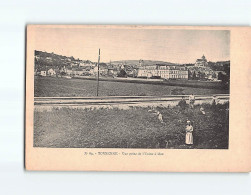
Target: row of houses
(161,71)
(75,67)
(56,71)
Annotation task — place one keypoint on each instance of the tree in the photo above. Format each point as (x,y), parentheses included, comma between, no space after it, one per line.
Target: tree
(220,76)
(199,75)
(190,75)
(122,73)
(202,76)
(194,76)
(63,73)
(226,68)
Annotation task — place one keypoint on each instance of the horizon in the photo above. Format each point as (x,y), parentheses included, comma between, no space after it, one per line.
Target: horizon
(167,45)
(126,60)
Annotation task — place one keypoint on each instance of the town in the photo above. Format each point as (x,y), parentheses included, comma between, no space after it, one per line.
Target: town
(107,99)
(50,64)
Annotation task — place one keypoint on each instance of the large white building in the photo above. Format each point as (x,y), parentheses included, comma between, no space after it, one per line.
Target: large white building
(163,71)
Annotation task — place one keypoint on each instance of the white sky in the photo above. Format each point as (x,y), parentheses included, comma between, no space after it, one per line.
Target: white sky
(177,46)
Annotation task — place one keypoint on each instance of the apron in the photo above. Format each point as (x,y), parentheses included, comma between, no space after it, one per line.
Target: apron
(189,135)
(189,138)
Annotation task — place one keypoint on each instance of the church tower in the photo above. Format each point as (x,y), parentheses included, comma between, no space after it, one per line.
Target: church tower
(202,62)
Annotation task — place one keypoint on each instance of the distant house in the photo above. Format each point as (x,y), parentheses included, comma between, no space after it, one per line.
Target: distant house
(43,73)
(94,71)
(49,59)
(51,72)
(103,71)
(74,64)
(77,71)
(86,64)
(122,66)
(74,71)
(68,71)
(110,72)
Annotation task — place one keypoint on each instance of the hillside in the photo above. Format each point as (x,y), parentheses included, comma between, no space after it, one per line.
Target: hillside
(145,62)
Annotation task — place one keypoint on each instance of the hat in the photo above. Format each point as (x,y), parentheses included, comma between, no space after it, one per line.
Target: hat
(188,121)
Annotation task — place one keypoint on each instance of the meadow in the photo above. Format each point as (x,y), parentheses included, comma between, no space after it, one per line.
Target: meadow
(132,128)
(62,87)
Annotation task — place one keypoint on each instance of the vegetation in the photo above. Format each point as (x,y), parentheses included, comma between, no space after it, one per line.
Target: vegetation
(45,59)
(133,128)
(122,73)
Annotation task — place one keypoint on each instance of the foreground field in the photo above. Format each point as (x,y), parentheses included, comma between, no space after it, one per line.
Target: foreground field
(61,87)
(133,128)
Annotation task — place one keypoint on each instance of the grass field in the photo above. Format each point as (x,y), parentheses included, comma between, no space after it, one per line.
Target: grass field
(61,87)
(133,128)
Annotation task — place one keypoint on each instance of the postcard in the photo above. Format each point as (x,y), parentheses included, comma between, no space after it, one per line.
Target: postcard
(137,98)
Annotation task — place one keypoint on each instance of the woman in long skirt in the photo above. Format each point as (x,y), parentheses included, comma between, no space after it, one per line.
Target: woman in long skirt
(189,133)
(191,101)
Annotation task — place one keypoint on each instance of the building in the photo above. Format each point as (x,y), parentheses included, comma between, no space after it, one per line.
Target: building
(202,62)
(163,71)
(86,64)
(147,71)
(110,72)
(74,71)
(77,71)
(43,73)
(49,59)
(51,72)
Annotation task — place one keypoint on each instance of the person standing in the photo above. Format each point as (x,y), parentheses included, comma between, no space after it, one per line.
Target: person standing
(215,100)
(189,133)
(191,101)
(182,103)
(160,117)
(202,110)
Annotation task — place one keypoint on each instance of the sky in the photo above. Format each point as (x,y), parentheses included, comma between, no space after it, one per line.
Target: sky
(170,45)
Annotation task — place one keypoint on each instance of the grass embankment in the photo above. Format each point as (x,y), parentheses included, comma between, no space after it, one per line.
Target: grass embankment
(133,128)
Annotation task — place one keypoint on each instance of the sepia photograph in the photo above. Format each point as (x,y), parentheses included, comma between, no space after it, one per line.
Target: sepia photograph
(125,97)
(131,88)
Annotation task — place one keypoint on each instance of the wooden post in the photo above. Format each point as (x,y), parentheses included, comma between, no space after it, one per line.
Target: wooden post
(98,71)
